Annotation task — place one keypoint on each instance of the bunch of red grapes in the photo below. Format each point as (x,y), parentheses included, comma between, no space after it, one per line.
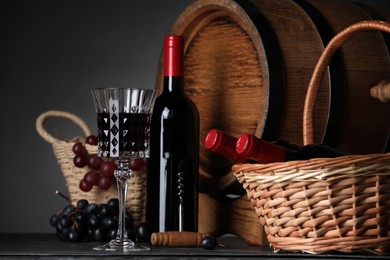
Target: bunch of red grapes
(101,170)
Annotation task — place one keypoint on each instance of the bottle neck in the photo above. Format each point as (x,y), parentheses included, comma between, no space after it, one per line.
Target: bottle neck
(173,63)
(266,152)
(173,84)
(262,151)
(319,151)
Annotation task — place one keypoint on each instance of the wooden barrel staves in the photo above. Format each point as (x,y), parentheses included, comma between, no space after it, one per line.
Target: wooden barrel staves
(247,67)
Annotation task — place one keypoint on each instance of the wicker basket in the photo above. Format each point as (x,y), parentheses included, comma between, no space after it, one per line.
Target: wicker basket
(323,204)
(72,174)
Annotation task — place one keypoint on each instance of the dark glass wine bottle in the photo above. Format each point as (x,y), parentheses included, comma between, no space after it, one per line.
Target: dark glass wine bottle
(172,180)
(221,143)
(263,151)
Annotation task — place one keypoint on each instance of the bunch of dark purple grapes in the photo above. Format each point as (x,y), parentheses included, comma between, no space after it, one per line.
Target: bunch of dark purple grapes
(90,221)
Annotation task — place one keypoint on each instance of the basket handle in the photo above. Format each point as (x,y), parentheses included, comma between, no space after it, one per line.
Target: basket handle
(56,113)
(323,62)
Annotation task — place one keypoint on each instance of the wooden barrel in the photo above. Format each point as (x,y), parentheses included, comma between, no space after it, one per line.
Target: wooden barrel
(248,64)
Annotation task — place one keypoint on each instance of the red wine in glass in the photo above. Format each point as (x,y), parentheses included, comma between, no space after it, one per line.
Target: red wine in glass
(133,137)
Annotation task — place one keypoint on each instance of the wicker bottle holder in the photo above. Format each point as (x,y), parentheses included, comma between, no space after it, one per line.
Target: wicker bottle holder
(63,151)
(323,204)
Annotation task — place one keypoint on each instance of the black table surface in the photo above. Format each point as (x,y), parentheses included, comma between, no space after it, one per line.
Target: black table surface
(48,246)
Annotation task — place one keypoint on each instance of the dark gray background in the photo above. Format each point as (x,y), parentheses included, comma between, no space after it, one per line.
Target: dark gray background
(52,53)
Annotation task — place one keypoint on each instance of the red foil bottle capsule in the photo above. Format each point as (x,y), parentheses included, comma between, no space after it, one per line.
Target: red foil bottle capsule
(219,142)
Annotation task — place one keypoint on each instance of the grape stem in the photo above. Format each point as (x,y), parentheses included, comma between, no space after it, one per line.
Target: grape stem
(63,196)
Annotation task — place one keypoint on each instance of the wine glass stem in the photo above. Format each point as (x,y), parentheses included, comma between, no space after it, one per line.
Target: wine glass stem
(122,175)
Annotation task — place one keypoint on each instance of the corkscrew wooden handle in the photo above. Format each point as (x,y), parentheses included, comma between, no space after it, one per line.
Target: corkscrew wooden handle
(176,239)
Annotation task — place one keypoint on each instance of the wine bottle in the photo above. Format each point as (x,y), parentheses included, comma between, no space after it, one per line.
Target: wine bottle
(219,142)
(267,152)
(172,180)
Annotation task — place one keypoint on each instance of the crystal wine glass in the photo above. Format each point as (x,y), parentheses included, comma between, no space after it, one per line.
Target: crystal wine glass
(123,121)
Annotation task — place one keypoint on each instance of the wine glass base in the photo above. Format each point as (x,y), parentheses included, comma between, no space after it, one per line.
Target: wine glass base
(125,245)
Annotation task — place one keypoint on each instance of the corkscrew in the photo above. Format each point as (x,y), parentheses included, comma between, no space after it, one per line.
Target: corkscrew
(180,197)
(180,186)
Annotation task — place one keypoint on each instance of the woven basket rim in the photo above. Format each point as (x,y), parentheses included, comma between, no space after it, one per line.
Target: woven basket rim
(315,169)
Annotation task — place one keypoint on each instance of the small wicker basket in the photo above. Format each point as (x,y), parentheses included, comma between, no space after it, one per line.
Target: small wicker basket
(63,151)
(323,204)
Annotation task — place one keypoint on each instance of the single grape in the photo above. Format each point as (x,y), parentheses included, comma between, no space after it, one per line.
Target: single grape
(142,233)
(114,206)
(94,161)
(104,210)
(91,178)
(136,164)
(60,228)
(53,220)
(110,222)
(100,234)
(68,209)
(81,217)
(113,203)
(84,186)
(65,221)
(107,168)
(208,243)
(78,148)
(93,222)
(82,203)
(91,209)
(74,235)
(80,160)
(91,139)
(104,182)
